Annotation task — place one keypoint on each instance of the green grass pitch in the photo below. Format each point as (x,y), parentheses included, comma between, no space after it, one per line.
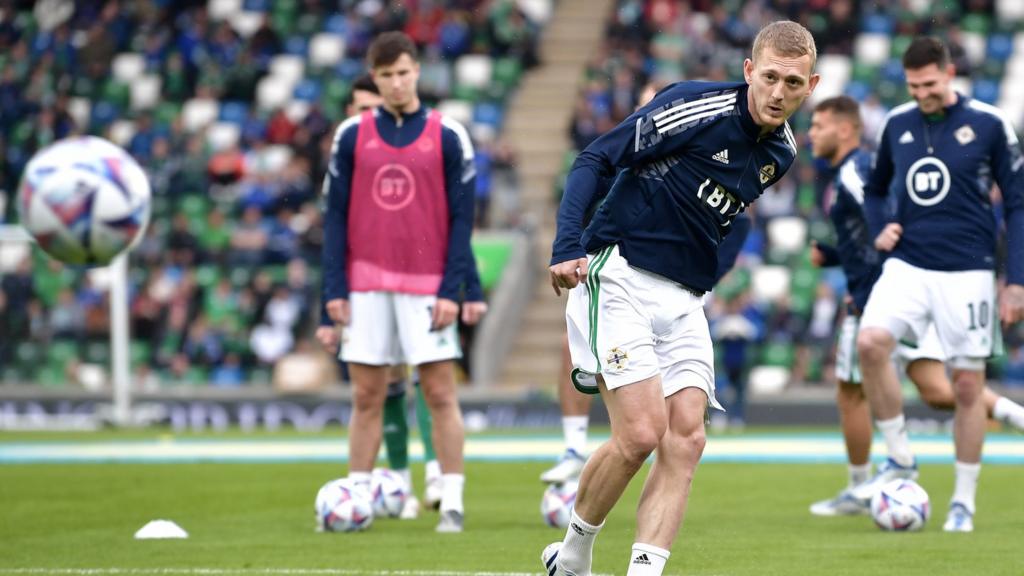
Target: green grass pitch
(744,519)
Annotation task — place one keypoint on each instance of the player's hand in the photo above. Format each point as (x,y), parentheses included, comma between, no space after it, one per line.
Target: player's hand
(568,274)
(339,311)
(328,337)
(889,237)
(1011,304)
(817,257)
(472,312)
(444,313)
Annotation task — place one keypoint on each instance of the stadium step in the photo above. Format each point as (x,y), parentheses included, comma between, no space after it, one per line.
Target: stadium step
(537,125)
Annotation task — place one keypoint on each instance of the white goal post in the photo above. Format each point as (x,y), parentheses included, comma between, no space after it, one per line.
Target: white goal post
(13,243)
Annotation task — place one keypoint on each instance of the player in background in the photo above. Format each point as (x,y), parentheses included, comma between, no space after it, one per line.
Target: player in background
(575,406)
(835,137)
(687,163)
(939,156)
(396,255)
(365,96)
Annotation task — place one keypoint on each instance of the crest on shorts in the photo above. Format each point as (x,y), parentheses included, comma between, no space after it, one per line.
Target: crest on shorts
(767,172)
(617,359)
(964,135)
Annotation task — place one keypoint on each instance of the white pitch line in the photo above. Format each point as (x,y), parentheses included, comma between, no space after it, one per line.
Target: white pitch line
(199,571)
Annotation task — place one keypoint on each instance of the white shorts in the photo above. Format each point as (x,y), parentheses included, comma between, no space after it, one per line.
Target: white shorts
(961,305)
(629,325)
(848,361)
(390,328)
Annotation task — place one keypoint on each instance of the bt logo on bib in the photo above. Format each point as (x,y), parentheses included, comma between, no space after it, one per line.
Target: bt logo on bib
(393,187)
(928,181)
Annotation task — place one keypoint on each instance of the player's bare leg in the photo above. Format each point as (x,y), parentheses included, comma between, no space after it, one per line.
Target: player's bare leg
(575,407)
(639,419)
(882,387)
(855,422)
(936,390)
(969,422)
(667,488)
(437,380)
(370,386)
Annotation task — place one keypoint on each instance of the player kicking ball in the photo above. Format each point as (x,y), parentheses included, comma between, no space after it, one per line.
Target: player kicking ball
(688,163)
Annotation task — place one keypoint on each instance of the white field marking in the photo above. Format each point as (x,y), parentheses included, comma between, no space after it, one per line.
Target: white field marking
(272,572)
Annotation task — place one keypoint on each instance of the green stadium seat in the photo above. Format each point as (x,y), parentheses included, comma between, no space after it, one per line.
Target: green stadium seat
(97,353)
(62,352)
(506,72)
(977,23)
(780,354)
(117,93)
(140,353)
(207,276)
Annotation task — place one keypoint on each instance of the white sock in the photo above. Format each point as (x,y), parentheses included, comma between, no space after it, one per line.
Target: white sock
(575,430)
(577,549)
(406,475)
(647,560)
(360,479)
(894,431)
(966,484)
(451,491)
(1008,411)
(433,470)
(859,474)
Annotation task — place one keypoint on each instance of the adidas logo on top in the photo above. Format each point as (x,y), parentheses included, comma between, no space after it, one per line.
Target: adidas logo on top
(906,138)
(642,559)
(722,156)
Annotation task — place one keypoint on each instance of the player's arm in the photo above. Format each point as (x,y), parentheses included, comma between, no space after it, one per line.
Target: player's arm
(460,182)
(877,209)
(474,306)
(652,132)
(1008,169)
(337,192)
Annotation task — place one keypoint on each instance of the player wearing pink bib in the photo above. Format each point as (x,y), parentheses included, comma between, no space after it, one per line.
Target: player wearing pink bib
(396,254)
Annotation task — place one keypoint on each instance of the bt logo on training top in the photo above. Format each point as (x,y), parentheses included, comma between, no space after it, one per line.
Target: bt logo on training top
(393,187)
(928,181)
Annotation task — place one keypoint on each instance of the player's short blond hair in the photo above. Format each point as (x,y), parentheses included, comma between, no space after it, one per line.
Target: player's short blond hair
(785,38)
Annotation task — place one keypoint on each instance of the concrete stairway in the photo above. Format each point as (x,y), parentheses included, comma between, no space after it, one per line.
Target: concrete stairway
(537,126)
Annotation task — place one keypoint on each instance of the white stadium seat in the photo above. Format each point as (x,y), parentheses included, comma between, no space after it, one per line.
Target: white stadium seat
(871,48)
(11,254)
(974,47)
(246,22)
(326,49)
(768,380)
(127,67)
(473,70)
(788,233)
(274,92)
(80,110)
(121,132)
(145,91)
(1009,10)
(835,70)
(223,9)
(197,113)
(769,283)
(223,135)
(458,110)
(537,10)
(288,66)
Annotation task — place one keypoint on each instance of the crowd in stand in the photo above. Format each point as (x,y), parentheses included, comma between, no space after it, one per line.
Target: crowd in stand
(225,281)
(667,40)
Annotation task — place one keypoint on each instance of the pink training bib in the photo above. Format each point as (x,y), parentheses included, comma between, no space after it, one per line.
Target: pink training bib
(398,217)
